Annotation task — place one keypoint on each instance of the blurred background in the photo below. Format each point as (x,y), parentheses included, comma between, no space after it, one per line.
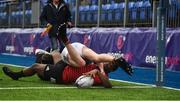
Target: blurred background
(90,13)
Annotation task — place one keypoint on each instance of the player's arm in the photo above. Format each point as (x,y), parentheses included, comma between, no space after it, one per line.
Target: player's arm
(105,81)
(101,68)
(40,51)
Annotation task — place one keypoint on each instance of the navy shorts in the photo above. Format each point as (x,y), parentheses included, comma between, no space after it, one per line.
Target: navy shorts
(54,73)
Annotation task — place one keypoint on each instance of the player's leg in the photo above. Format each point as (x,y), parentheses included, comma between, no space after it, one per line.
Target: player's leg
(72,55)
(72,52)
(35,68)
(93,56)
(74,63)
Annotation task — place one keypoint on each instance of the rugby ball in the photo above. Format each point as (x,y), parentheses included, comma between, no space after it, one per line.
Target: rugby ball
(84,81)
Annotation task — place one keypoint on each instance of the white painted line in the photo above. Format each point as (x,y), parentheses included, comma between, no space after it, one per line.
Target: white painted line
(21,88)
(115,87)
(133,82)
(17,55)
(171,88)
(144,84)
(13,65)
(133,87)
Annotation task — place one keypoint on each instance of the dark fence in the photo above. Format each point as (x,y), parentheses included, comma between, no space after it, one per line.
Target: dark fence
(112,13)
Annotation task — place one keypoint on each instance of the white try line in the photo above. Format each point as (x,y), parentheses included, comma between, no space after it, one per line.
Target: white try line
(145,84)
(115,87)
(13,65)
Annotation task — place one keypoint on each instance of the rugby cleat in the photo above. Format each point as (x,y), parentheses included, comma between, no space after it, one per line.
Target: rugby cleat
(10,73)
(121,62)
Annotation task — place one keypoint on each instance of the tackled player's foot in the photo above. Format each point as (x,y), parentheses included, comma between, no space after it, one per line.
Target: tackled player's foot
(9,73)
(121,62)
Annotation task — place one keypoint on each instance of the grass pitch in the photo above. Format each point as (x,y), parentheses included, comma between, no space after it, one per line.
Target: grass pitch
(32,88)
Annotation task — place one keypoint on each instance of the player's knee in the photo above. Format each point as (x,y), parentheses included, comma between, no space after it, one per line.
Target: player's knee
(81,63)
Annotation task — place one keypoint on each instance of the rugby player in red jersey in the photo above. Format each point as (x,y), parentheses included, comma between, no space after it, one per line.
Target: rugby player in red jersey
(61,73)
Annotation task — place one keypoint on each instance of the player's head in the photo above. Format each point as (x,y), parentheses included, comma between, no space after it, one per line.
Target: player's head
(47,59)
(38,58)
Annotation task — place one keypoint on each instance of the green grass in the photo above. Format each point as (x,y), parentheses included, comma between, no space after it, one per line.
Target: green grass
(78,94)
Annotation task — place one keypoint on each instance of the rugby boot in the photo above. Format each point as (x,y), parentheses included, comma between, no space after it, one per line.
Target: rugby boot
(124,65)
(10,73)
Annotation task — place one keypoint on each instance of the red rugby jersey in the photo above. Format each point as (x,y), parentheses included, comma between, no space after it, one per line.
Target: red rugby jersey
(70,74)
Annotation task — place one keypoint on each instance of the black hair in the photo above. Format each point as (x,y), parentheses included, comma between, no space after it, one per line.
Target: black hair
(47,59)
(38,58)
